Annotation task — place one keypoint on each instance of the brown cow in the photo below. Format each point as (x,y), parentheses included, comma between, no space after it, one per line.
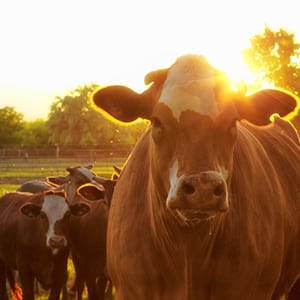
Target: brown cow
(87,236)
(32,239)
(77,176)
(208,204)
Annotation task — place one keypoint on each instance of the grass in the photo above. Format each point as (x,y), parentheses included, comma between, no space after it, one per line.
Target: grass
(17,171)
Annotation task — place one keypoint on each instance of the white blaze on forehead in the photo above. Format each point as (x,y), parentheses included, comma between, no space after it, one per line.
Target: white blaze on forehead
(190,86)
(55,207)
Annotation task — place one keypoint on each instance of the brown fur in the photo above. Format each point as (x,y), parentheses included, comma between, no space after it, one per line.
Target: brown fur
(250,251)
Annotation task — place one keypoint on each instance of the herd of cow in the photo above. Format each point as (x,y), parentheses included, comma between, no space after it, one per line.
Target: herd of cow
(207,205)
(42,221)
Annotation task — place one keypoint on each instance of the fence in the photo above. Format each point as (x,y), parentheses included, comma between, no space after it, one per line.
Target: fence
(55,151)
(21,164)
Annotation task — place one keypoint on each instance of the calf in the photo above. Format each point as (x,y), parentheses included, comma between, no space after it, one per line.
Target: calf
(32,238)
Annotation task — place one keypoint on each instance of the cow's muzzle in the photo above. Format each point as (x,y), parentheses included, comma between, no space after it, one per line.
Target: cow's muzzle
(199,196)
(57,242)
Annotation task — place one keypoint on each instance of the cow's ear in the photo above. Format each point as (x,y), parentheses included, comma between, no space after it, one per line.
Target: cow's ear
(258,107)
(58,180)
(31,210)
(123,104)
(79,209)
(91,192)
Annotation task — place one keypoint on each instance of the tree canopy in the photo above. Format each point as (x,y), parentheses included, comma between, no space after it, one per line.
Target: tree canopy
(274,57)
(11,124)
(73,121)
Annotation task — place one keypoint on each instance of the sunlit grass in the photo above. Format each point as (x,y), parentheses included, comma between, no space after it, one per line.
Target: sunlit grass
(17,171)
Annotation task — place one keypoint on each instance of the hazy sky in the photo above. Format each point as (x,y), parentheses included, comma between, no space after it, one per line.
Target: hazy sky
(50,47)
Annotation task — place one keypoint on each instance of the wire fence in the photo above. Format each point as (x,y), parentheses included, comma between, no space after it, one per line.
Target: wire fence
(18,165)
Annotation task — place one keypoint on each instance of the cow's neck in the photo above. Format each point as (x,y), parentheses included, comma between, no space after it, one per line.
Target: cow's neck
(171,236)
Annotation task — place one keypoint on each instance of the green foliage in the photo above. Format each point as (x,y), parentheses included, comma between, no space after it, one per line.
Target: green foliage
(274,57)
(35,133)
(11,123)
(73,121)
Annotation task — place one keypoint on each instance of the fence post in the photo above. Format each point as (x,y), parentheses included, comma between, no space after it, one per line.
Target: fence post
(57,157)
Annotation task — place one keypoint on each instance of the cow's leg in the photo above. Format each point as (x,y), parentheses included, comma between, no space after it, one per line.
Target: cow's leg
(108,290)
(3,291)
(101,286)
(72,288)
(27,284)
(92,289)
(60,274)
(58,286)
(79,284)
(294,293)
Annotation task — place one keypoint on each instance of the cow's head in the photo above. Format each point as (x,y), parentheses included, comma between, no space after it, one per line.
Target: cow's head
(52,208)
(77,176)
(102,190)
(194,111)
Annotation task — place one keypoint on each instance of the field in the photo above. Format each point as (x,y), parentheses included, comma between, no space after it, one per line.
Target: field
(14,172)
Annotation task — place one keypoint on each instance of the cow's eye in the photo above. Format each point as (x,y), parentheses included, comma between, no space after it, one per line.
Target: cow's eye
(68,215)
(156,123)
(157,129)
(43,216)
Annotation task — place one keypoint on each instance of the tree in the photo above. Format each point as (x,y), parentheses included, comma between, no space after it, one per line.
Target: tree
(35,133)
(274,57)
(11,124)
(74,121)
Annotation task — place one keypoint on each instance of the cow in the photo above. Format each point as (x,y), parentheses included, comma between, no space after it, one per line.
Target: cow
(87,236)
(35,186)
(77,176)
(32,238)
(207,205)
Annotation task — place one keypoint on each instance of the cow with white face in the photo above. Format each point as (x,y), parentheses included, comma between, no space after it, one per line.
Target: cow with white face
(208,193)
(32,238)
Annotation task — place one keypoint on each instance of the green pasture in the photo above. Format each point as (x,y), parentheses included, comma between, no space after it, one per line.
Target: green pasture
(14,172)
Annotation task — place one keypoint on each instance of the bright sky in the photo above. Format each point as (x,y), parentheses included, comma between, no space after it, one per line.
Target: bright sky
(49,47)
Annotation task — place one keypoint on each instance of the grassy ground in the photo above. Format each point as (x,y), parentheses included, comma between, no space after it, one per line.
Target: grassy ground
(14,172)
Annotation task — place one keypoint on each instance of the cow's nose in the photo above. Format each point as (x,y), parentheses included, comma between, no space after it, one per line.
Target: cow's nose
(205,190)
(210,183)
(57,242)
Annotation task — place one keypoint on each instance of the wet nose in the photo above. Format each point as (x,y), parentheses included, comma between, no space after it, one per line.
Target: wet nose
(203,188)
(57,242)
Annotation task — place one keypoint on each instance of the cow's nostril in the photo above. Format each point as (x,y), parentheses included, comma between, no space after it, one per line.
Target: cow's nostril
(188,188)
(219,190)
